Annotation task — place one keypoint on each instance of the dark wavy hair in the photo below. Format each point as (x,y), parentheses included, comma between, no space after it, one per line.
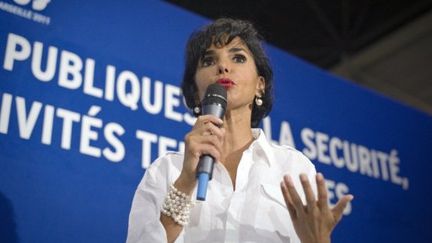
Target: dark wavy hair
(220,33)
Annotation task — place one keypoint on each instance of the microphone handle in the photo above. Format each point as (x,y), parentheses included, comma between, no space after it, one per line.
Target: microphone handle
(206,162)
(204,174)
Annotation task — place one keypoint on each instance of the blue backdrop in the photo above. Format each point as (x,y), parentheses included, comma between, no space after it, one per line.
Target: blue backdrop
(89,95)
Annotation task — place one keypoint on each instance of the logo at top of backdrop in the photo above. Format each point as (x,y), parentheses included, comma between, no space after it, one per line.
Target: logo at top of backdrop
(21,8)
(36,4)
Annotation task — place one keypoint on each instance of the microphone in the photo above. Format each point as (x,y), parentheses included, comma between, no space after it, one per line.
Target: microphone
(214,103)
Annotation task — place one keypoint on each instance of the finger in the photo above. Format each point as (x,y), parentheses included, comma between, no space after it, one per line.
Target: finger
(210,118)
(310,197)
(297,202)
(322,192)
(208,129)
(212,129)
(288,201)
(207,149)
(340,206)
(209,140)
(196,137)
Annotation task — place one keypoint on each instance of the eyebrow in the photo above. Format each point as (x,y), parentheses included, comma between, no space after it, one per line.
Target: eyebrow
(231,50)
(237,49)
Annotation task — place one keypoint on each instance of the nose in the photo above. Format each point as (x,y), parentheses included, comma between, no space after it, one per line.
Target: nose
(223,68)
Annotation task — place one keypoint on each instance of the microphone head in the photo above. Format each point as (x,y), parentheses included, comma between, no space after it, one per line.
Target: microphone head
(215,94)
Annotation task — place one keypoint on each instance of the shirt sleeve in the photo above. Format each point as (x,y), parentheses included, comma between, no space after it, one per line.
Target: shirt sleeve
(144,217)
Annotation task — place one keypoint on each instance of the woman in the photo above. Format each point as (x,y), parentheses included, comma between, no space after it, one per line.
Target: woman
(259,191)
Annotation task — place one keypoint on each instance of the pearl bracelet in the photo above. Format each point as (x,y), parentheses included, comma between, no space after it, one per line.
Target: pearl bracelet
(177,205)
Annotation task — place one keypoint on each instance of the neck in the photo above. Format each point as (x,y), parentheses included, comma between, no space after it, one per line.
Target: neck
(238,137)
(238,133)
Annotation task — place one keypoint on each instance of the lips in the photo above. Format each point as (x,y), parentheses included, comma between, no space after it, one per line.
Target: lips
(226,82)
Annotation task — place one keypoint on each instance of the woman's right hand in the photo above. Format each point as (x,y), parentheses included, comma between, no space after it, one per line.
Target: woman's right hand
(206,137)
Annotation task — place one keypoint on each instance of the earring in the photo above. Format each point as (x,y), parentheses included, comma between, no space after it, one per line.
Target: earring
(258,101)
(197,110)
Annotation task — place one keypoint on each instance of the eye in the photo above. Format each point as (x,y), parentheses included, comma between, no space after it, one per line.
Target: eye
(207,61)
(239,58)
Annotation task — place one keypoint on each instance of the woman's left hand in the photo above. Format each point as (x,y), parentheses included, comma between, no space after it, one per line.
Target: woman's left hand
(314,221)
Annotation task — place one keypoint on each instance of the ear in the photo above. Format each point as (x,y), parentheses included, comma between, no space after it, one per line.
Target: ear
(260,86)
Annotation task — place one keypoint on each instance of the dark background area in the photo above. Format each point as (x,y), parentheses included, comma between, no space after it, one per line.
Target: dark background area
(383,45)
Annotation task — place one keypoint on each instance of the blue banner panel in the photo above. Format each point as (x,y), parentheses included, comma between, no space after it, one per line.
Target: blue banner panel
(89,96)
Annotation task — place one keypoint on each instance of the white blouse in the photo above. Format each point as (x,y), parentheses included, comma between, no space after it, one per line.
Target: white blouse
(254,212)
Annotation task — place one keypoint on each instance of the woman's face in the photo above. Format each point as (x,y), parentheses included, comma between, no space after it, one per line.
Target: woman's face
(233,67)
